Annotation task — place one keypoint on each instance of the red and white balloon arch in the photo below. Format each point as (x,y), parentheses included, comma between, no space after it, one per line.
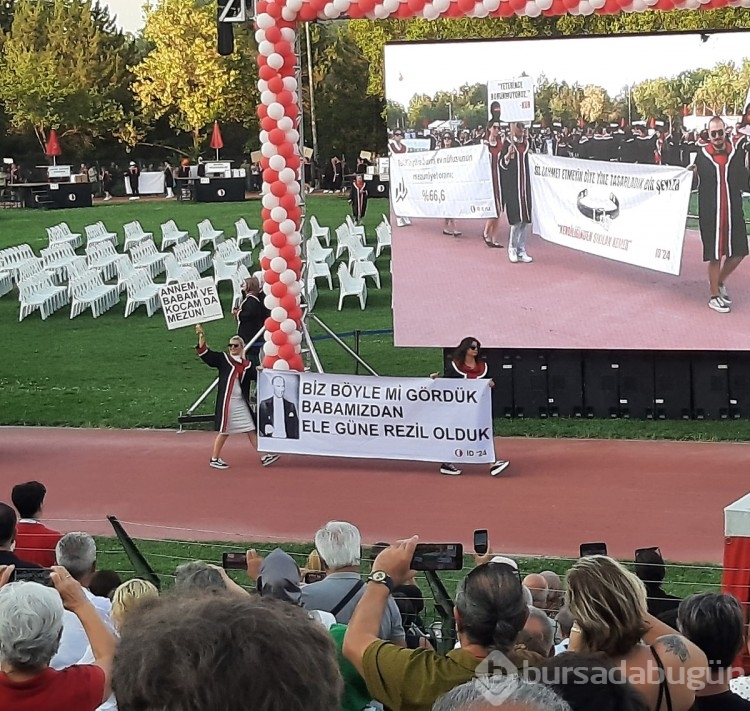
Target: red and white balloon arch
(276,27)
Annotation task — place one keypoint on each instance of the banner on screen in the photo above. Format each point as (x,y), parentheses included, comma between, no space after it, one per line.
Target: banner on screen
(450,183)
(515,98)
(417,144)
(190,302)
(333,415)
(630,213)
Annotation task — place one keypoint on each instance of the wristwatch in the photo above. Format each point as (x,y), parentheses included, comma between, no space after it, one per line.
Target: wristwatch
(378,576)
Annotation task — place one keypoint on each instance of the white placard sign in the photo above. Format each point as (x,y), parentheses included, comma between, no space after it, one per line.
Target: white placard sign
(442,420)
(632,213)
(417,144)
(58,171)
(449,183)
(515,96)
(190,302)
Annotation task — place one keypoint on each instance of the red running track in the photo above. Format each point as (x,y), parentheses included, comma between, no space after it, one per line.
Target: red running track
(556,494)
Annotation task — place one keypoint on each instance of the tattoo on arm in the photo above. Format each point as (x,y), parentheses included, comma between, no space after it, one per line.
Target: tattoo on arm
(674,643)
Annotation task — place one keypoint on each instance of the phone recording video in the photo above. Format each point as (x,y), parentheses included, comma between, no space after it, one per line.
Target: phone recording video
(481,541)
(314,576)
(32,575)
(588,549)
(234,561)
(438,556)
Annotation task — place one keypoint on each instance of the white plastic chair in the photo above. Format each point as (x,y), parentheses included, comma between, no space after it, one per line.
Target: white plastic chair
(318,231)
(13,258)
(316,252)
(77,269)
(366,269)
(312,291)
(142,291)
(134,234)
(357,230)
(383,237)
(6,283)
(146,256)
(187,254)
(320,270)
(38,292)
(207,233)
(61,234)
(351,286)
(359,253)
(90,292)
(98,233)
(172,235)
(177,273)
(246,234)
(230,253)
(223,271)
(343,240)
(29,269)
(55,260)
(125,271)
(103,257)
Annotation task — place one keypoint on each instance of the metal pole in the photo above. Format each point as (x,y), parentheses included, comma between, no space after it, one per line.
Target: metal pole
(206,393)
(342,344)
(311,348)
(313,121)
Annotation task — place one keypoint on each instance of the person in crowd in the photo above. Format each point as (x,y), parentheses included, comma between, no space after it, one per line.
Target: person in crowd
(199,576)
(104,583)
(449,226)
(397,147)
(76,552)
(516,190)
(201,169)
(539,590)
(715,622)
(507,692)
(466,362)
(565,622)
(490,612)
(232,413)
(106,181)
(251,315)
(83,171)
(590,682)
(495,146)
(168,180)
(555,591)
(134,175)
(650,568)
(410,603)
(227,652)
(722,171)
(35,542)
(608,603)
(334,176)
(339,545)
(93,177)
(8,527)
(358,199)
(537,634)
(31,621)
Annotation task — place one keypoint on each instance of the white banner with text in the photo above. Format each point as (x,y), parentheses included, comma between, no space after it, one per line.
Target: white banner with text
(627,212)
(449,183)
(442,420)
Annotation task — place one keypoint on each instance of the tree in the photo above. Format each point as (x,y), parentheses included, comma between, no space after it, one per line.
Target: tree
(395,115)
(184,78)
(63,64)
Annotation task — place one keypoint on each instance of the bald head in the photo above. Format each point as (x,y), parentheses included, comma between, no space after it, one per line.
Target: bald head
(539,589)
(555,589)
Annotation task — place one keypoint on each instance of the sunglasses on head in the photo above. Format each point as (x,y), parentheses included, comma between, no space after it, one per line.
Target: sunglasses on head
(719,133)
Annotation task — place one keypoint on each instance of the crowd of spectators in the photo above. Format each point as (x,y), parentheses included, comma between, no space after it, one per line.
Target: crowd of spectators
(74,638)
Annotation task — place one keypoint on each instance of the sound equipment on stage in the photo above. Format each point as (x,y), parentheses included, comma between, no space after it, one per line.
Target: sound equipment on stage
(636,384)
(601,387)
(530,391)
(710,374)
(739,384)
(501,368)
(564,384)
(672,386)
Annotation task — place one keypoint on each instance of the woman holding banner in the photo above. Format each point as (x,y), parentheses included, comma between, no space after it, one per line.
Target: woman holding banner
(494,145)
(467,363)
(232,414)
(449,228)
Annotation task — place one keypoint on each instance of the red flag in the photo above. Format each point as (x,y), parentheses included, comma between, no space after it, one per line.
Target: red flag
(52,149)
(652,122)
(216,140)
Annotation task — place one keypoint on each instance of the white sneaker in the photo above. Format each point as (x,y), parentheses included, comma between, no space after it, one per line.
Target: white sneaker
(268,459)
(512,255)
(218,463)
(450,470)
(717,304)
(498,467)
(724,294)
(525,258)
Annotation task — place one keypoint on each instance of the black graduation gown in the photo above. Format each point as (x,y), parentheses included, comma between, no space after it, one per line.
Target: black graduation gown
(229,371)
(251,317)
(516,184)
(358,199)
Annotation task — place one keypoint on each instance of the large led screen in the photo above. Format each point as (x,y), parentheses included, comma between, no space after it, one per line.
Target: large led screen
(571,193)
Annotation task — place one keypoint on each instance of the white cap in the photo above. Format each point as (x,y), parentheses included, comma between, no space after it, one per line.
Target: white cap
(508,561)
(132,162)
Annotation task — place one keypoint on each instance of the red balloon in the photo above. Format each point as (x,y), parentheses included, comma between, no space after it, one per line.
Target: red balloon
(271,325)
(268,361)
(283,48)
(290,62)
(318,5)
(295,264)
(274,10)
(287,23)
(278,239)
(416,5)
(271,277)
(273,34)
(278,188)
(276,84)
(277,136)
(262,111)
(262,7)
(404,12)
(288,201)
(285,149)
(279,337)
(366,5)
(270,176)
(270,226)
(265,214)
(284,97)
(287,351)
(265,264)
(296,363)
(356,12)
(292,110)
(287,252)
(288,302)
(293,162)
(519,5)
(268,124)
(505,9)
(279,289)
(266,72)
(307,13)
(294,214)
(295,314)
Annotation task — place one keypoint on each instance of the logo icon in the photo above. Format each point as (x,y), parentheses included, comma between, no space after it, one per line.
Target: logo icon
(459,453)
(221,192)
(401,191)
(493,674)
(72,197)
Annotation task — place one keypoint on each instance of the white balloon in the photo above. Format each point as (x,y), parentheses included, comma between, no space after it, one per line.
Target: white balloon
(295,98)
(287,227)
(278,264)
(341,6)
(267,98)
(372,15)
(277,163)
(287,33)
(295,338)
(330,11)
(533,10)
(293,188)
(294,239)
(481,11)
(265,48)
(266,289)
(287,175)
(262,85)
(271,349)
(278,214)
(264,21)
(269,251)
(287,14)
(430,12)
(547,4)
(295,5)
(288,326)
(290,83)
(275,60)
(292,136)
(285,123)
(268,150)
(380,12)
(260,36)
(271,302)
(441,5)
(266,240)
(281,364)
(270,201)
(279,314)
(263,136)
(276,111)
(297,349)
(268,335)
(391,5)
(493,5)
(288,277)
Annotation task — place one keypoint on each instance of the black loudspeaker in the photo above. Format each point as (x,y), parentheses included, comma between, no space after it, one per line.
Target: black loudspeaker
(501,368)
(225,39)
(739,384)
(530,384)
(601,386)
(637,384)
(710,373)
(564,384)
(672,386)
